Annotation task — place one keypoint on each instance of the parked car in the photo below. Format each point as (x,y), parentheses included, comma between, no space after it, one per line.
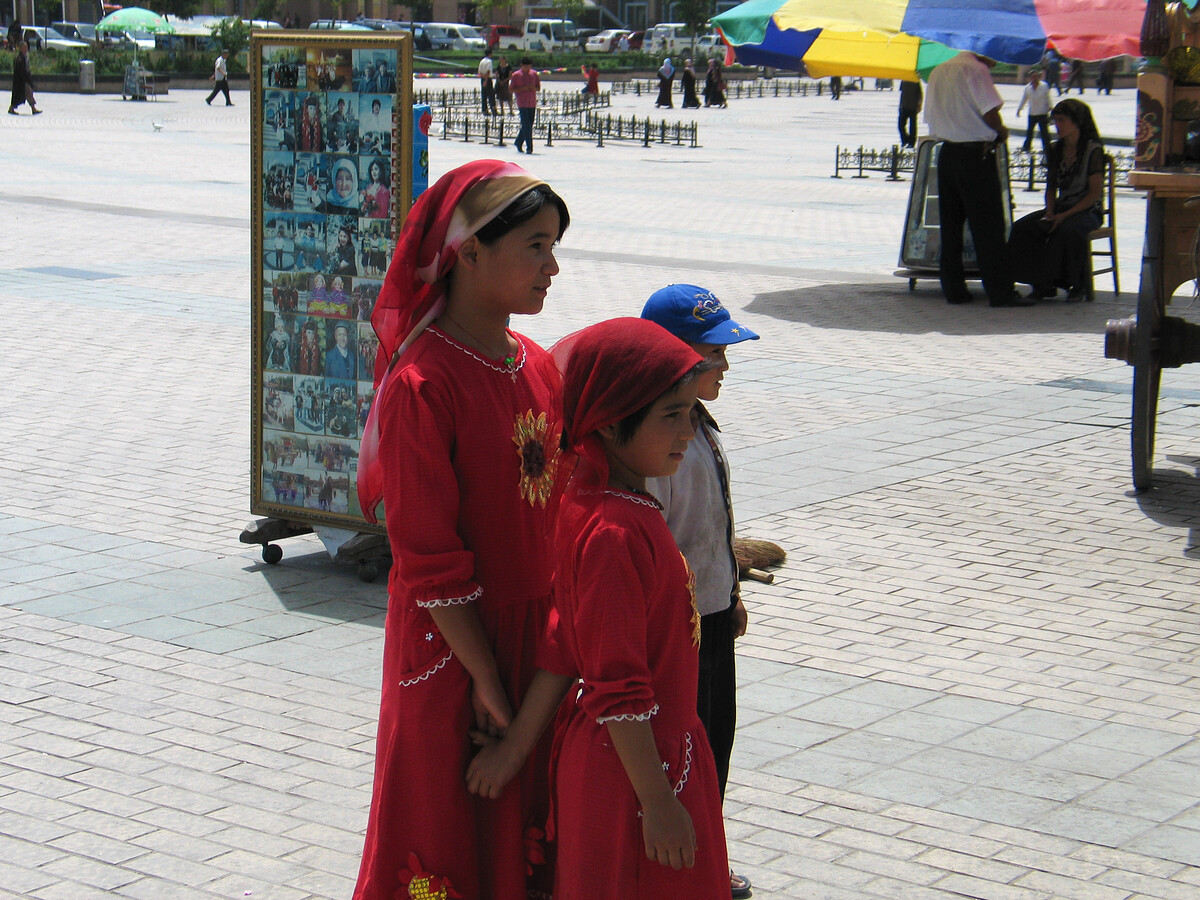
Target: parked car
(76,31)
(582,35)
(605,41)
(548,34)
(420,38)
(338,25)
(502,37)
(43,38)
(453,36)
(710,45)
(668,38)
(636,40)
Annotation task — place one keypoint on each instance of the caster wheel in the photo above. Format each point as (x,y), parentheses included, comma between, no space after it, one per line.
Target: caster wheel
(272,553)
(368,571)
(912,284)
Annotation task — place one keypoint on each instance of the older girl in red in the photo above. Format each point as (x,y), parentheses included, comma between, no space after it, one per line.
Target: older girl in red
(637,809)
(461,445)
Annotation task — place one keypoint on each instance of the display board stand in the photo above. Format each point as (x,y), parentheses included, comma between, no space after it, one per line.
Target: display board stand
(339,153)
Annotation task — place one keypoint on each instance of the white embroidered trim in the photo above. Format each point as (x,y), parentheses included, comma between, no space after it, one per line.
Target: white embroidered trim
(452,601)
(634,498)
(409,682)
(504,370)
(629,717)
(687,763)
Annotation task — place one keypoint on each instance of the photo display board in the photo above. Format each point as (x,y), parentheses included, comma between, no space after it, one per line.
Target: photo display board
(338,155)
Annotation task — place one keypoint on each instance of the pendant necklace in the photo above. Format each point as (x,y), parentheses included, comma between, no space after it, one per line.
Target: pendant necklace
(509,359)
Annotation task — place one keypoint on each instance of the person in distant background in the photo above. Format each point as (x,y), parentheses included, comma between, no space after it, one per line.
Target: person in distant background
(910,105)
(22,82)
(220,77)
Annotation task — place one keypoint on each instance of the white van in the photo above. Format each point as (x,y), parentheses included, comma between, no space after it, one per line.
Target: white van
(456,36)
(548,34)
(667,38)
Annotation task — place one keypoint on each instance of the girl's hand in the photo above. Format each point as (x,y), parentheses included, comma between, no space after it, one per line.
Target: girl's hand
(493,767)
(493,714)
(669,834)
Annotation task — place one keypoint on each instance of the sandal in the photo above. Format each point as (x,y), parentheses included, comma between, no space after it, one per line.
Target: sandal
(739,886)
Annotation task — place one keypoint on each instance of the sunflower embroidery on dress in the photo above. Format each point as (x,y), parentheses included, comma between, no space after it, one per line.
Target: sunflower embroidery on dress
(417,884)
(691,589)
(538,449)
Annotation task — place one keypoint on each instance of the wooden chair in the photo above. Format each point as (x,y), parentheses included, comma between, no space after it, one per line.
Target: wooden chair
(1107,231)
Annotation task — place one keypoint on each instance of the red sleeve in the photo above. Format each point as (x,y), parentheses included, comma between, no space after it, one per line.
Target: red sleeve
(610,624)
(421,495)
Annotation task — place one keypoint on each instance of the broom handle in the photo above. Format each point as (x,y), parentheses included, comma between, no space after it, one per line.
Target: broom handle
(760,576)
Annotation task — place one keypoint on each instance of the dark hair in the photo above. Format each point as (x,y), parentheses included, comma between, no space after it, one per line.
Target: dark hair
(526,61)
(521,210)
(628,426)
(1081,115)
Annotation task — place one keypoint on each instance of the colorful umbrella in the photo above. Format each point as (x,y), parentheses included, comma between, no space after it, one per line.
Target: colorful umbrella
(134,18)
(900,38)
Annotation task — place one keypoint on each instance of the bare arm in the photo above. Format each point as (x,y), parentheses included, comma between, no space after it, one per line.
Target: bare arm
(496,764)
(994,122)
(1095,190)
(667,828)
(461,627)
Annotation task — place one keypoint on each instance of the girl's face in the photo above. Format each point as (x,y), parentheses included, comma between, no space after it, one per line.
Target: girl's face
(709,383)
(1064,125)
(657,447)
(376,172)
(318,281)
(337,284)
(343,237)
(516,270)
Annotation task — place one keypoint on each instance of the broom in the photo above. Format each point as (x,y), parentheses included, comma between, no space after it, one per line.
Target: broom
(753,556)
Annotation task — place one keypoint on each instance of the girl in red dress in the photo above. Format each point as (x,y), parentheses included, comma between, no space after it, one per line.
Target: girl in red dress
(461,445)
(637,808)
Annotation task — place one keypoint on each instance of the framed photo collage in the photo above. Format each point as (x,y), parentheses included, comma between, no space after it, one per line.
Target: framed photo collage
(333,176)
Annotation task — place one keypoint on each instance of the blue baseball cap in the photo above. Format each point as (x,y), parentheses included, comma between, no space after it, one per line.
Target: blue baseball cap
(695,315)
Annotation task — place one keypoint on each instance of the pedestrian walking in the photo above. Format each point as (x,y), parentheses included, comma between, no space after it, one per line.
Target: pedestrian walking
(666,80)
(835,87)
(1104,81)
(22,82)
(910,105)
(688,83)
(504,95)
(1037,96)
(487,84)
(525,85)
(220,76)
(1053,63)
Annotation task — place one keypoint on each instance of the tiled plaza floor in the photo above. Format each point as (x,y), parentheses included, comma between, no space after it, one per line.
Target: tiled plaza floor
(976,675)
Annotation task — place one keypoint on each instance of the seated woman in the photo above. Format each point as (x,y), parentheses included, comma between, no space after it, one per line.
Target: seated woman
(1048,249)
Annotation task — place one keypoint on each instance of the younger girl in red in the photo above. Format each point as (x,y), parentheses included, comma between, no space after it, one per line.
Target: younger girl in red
(637,810)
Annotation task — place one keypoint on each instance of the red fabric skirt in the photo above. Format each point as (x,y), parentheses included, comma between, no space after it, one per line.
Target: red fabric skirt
(420,804)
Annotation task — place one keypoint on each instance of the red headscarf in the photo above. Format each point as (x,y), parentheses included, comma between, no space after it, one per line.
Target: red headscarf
(414,291)
(611,370)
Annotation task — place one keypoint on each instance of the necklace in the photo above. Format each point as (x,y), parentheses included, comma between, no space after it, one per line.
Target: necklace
(507,358)
(511,365)
(635,495)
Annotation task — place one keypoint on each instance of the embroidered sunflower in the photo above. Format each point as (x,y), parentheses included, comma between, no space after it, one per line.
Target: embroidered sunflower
(539,456)
(691,589)
(422,885)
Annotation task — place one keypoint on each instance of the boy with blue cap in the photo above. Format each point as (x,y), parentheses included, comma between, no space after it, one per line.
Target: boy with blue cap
(699,511)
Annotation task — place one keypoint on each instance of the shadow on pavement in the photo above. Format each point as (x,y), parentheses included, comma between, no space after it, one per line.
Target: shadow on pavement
(1174,501)
(892,308)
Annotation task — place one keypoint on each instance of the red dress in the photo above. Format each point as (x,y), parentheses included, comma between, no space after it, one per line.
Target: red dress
(628,627)
(469,463)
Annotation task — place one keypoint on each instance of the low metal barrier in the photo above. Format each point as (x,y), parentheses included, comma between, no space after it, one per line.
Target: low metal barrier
(559,102)
(588,126)
(1023,166)
(734,90)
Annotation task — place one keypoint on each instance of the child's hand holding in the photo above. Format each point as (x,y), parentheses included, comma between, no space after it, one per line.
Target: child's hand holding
(493,767)
(669,834)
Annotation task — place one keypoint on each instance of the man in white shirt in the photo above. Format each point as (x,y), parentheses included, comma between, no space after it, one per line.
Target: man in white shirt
(220,76)
(1037,95)
(962,108)
(487,84)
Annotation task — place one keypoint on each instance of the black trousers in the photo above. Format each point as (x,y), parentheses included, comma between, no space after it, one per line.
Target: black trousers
(969,194)
(222,85)
(487,96)
(908,128)
(1043,129)
(717,684)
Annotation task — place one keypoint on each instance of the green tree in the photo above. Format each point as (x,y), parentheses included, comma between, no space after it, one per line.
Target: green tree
(184,9)
(694,14)
(266,9)
(231,34)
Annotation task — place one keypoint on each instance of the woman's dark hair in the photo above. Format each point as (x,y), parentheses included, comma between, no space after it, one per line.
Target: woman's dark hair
(628,426)
(521,210)
(383,172)
(1081,115)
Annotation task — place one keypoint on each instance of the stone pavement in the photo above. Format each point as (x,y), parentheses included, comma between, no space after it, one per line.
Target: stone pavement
(975,676)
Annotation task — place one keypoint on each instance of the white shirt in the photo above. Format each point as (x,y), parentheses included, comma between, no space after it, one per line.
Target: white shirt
(485,68)
(960,91)
(1038,99)
(694,505)
(219,71)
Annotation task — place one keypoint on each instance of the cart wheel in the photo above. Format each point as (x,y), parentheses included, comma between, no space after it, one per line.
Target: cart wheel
(272,553)
(1147,373)
(912,284)
(368,571)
